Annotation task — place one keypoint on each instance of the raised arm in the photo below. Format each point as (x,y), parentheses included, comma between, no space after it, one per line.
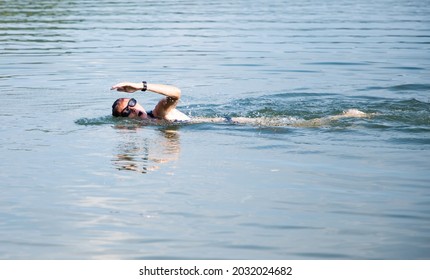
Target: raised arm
(165,107)
(166,90)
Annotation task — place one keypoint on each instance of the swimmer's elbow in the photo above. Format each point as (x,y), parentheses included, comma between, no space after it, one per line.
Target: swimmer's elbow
(177,93)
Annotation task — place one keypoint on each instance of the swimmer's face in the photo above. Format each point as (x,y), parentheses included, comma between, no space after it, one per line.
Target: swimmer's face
(128,107)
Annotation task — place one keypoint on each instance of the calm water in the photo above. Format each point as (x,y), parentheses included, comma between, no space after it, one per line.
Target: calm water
(294,183)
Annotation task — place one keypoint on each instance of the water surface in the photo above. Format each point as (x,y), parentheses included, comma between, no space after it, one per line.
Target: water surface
(295,182)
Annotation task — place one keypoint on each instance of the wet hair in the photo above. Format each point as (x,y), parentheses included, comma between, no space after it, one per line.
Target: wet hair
(115,111)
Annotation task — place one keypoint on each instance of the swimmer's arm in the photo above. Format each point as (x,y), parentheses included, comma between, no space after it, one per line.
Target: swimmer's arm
(170,91)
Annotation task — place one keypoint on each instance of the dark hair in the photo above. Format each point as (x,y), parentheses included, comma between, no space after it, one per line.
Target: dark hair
(115,111)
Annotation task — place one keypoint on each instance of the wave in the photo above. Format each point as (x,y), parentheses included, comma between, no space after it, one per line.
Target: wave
(254,121)
(402,87)
(96,121)
(299,110)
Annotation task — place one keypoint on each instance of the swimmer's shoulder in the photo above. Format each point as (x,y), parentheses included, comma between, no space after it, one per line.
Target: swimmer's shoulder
(177,116)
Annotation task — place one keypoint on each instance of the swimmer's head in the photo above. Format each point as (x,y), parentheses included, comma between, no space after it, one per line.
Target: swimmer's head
(129,108)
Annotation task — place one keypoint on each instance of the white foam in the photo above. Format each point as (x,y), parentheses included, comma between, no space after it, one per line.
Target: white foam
(285,121)
(354,113)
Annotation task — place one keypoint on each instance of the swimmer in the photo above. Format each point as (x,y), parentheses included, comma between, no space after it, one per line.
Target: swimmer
(164,110)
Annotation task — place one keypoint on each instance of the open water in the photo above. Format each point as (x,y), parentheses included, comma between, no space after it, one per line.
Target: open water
(294,182)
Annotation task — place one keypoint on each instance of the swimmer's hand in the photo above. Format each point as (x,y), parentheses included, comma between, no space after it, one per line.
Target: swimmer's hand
(127,87)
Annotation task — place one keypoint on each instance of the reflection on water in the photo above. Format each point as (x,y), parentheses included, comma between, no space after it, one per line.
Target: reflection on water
(141,154)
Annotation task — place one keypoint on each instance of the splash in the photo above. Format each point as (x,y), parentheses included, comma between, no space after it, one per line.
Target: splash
(352,113)
(261,120)
(326,121)
(283,121)
(95,121)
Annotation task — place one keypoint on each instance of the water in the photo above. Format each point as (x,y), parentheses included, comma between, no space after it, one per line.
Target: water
(295,182)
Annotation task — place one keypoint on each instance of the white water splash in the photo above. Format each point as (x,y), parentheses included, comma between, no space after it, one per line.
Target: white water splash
(285,121)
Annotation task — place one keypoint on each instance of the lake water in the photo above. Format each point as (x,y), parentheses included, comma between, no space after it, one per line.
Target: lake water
(295,182)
